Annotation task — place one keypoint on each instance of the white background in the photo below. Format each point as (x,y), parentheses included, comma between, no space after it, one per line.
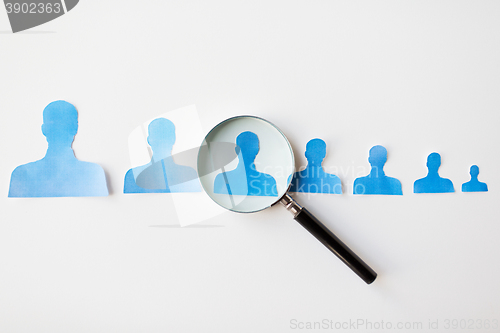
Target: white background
(414,76)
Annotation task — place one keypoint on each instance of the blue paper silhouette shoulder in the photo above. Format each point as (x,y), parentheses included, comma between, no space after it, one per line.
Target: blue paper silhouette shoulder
(314,179)
(59,173)
(474,185)
(246,179)
(161,174)
(377,182)
(433,183)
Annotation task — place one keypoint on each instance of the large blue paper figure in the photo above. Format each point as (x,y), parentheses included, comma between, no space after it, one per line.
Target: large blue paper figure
(313,179)
(377,182)
(245,179)
(433,183)
(59,173)
(161,174)
(474,185)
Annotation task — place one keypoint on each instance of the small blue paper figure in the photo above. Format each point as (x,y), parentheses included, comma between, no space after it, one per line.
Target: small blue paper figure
(59,173)
(474,185)
(433,183)
(245,179)
(161,174)
(377,182)
(313,179)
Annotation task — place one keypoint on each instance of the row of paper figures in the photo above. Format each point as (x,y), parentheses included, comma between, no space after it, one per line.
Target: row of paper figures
(60,174)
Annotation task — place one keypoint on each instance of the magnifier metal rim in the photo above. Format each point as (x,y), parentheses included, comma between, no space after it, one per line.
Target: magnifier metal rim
(284,137)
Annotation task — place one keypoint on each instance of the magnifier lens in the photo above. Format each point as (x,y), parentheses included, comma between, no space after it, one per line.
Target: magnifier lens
(245,164)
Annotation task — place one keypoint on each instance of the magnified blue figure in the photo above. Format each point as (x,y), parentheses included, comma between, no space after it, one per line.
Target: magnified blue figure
(59,173)
(474,185)
(161,174)
(433,183)
(313,179)
(245,179)
(377,182)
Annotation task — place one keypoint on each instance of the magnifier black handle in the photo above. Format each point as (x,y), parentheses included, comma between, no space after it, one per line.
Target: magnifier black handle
(332,242)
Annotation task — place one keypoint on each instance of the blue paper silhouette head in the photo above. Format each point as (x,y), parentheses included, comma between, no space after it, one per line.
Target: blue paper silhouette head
(474,185)
(474,171)
(248,144)
(433,162)
(161,136)
(60,123)
(315,151)
(378,156)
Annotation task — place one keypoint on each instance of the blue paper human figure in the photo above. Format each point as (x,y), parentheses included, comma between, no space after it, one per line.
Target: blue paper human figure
(433,183)
(59,173)
(377,182)
(313,179)
(474,185)
(161,174)
(245,179)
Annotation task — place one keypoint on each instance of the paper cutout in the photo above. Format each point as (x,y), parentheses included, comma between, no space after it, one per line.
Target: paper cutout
(474,185)
(313,179)
(433,183)
(245,179)
(59,173)
(377,182)
(161,174)
(189,133)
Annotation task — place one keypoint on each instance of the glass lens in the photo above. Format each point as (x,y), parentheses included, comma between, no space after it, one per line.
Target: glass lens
(245,164)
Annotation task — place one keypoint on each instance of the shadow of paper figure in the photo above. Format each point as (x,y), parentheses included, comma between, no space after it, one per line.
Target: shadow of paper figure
(245,179)
(313,179)
(161,174)
(433,183)
(377,182)
(59,173)
(474,185)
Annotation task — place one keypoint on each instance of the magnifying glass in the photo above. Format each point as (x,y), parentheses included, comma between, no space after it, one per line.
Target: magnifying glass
(246,164)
